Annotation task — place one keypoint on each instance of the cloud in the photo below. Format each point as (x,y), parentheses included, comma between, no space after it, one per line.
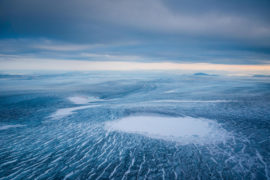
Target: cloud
(225,32)
(84,19)
(110,57)
(42,44)
(154,15)
(62,47)
(130,51)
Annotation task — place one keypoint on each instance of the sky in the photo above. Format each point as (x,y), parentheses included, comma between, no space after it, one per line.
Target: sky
(136,34)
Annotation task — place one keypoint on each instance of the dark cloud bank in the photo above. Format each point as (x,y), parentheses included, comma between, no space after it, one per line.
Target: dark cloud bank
(228,32)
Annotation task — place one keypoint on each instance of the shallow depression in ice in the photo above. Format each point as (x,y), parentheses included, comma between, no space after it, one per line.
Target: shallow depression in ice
(184,130)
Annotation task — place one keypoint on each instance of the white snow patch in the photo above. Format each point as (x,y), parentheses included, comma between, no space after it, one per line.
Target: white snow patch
(4,127)
(60,113)
(184,130)
(82,99)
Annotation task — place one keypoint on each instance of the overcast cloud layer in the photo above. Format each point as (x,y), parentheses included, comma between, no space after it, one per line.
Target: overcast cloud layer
(223,32)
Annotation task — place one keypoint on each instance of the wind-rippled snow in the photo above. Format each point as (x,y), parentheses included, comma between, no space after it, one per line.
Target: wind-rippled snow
(214,129)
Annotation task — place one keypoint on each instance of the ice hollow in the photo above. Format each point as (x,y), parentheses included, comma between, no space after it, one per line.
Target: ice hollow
(181,129)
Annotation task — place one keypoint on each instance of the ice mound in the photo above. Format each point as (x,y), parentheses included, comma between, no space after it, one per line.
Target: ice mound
(82,99)
(184,130)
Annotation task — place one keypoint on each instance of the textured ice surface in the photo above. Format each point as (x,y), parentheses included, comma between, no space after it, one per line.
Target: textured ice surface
(181,129)
(192,101)
(224,123)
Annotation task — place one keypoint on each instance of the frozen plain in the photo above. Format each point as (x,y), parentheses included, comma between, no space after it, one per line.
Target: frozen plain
(134,125)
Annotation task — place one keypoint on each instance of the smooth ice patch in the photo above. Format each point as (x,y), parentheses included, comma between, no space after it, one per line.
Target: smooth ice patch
(60,113)
(181,129)
(4,127)
(82,99)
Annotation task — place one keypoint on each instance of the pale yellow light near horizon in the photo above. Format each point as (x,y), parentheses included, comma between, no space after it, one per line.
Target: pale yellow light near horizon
(80,65)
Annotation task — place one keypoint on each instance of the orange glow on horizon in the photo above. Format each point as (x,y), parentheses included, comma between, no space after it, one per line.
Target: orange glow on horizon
(79,65)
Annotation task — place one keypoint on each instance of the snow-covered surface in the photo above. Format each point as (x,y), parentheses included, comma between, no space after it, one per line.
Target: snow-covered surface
(82,99)
(60,113)
(4,127)
(182,129)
